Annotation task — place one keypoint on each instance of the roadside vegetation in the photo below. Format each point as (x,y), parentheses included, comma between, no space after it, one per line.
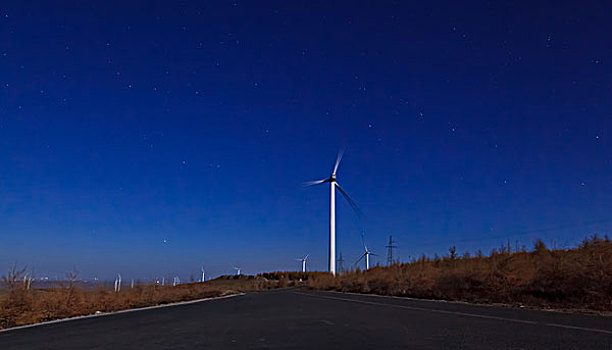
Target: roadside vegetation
(21,306)
(578,278)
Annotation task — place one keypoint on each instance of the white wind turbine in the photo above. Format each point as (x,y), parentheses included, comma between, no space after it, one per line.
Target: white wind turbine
(303,260)
(118,283)
(203,274)
(27,281)
(366,254)
(237,270)
(333,185)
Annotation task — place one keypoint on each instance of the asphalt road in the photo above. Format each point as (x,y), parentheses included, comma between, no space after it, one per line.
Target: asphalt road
(294,319)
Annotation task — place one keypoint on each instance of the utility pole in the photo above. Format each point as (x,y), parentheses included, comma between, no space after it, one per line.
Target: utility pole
(340,261)
(390,247)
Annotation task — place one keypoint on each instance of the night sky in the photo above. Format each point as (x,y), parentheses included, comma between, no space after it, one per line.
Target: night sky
(152,138)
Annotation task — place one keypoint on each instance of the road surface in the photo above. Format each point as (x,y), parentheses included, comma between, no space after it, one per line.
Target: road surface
(297,319)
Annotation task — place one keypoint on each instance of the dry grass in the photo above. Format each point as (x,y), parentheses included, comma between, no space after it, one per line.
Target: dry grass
(579,278)
(19,306)
(575,278)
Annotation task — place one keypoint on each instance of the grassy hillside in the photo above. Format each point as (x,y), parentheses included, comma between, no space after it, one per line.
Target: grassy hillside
(573,278)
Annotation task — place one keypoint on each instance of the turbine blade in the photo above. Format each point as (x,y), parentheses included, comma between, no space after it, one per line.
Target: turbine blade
(338,159)
(363,242)
(352,203)
(306,257)
(358,260)
(312,183)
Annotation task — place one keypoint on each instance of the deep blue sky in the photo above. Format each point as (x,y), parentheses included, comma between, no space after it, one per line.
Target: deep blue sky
(124,124)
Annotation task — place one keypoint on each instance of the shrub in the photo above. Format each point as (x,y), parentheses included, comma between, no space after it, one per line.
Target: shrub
(570,278)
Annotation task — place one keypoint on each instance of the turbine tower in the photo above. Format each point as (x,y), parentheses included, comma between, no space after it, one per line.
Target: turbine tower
(333,185)
(203,274)
(366,254)
(303,260)
(237,270)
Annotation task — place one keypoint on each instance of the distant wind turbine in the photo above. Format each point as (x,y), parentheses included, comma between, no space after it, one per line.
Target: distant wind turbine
(203,274)
(366,254)
(27,281)
(303,260)
(332,209)
(237,270)
(118,283)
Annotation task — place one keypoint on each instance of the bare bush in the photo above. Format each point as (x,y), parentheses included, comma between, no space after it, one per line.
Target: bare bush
(566,278)
(23,307)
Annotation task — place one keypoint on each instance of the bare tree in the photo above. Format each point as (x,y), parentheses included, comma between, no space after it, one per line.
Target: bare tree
(12,279)
(71,276)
